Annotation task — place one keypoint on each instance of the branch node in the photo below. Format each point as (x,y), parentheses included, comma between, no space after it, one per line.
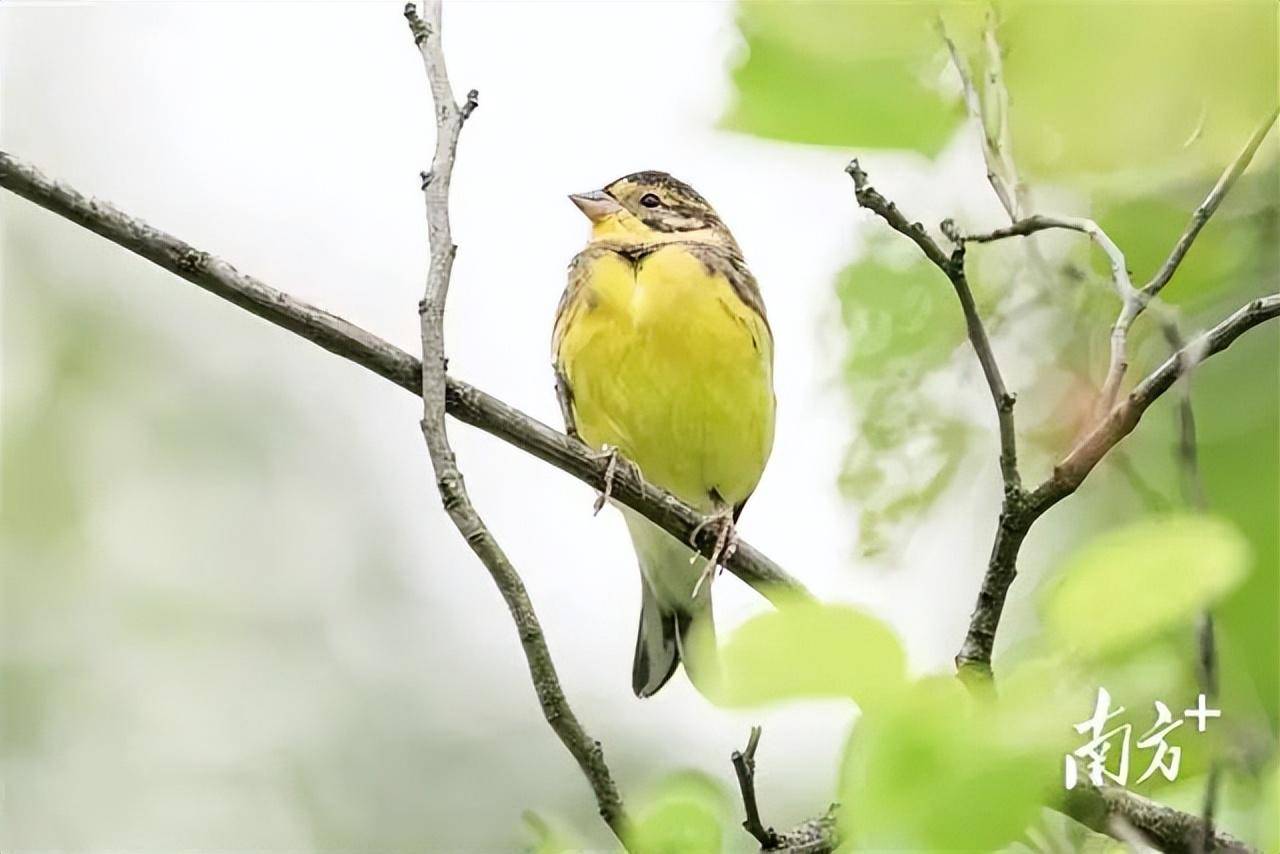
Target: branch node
(426,178)
(469,107)
(419,28)
(744,765)
(855,172)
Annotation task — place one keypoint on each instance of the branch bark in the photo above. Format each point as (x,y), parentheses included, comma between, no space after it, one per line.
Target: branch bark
(1110,810)
(450,118)
(1167,829)
(474,407)
(1207,208)
(952,266)
(975,655)
(464,402)
(744,766)
(1021,508)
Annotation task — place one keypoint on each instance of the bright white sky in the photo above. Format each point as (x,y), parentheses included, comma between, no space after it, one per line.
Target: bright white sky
(287,139)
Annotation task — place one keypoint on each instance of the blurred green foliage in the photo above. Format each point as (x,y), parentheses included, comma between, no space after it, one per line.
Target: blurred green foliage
(936,770)
(687,814)
(804,650)
(830,72)
(902,330)
(1165,570)
(1126,113)
(1096,87)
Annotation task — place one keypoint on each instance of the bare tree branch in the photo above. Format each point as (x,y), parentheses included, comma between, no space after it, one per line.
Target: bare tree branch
(1105,810)
(464,402)
(998,164)
(1020,508)
(744,765)
(1194,496)
(1207,208)
(1124,416)
(975,654)
(453,492)
(952,267)
(474,407)
(1132,300)
(1165,828)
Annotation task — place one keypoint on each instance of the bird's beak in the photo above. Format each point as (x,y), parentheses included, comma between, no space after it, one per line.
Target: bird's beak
(597,205)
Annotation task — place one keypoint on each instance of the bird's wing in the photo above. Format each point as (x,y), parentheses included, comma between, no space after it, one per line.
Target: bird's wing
(727,261)
(570,305)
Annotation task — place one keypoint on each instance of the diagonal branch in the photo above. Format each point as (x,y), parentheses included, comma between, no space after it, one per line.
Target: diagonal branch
(975,655)
(1207,208)
(952,267)
(1134,302)
(1000,172)
(1194,496)
(464,402)
(453,492)
(1020,509)
(1168,829)
(1124,416)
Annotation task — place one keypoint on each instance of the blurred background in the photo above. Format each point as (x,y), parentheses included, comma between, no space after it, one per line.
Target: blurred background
(234,616)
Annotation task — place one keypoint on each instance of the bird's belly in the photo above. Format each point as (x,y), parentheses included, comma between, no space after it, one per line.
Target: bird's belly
(664,367)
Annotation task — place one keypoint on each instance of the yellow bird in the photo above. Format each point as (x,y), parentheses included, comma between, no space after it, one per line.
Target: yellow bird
(663,355)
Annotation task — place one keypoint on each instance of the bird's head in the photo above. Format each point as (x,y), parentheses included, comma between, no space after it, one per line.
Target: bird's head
(650,207)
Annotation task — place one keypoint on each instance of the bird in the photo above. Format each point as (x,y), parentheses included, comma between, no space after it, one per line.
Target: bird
(663,357)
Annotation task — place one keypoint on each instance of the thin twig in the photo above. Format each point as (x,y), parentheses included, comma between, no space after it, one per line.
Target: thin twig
(464,402)
(996,176)
(1020,509)
(744,765)
(974,659)
(453,492)
(995,135)
(998,95)
(1040,222)
(1194,496)
(1206,208)
(1134,302)
(952,266)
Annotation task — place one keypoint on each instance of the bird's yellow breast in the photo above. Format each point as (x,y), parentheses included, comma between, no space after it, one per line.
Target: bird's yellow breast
(667,364)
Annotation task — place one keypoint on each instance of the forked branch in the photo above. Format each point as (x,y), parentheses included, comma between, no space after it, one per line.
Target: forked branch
(952,266)
(744,766)
(343,338)
(453,492)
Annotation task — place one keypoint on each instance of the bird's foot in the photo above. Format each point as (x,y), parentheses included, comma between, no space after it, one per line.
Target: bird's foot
(614,457)
(721,521)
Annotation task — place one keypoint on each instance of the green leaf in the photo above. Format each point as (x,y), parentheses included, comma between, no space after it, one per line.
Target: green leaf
(933,770)
(903,323)
(897,314)
(1087,96)
(1139,580)
(843,74)
(811,651)
(685,816)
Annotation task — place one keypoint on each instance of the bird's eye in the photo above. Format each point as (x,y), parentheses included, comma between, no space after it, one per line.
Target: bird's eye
(649,200)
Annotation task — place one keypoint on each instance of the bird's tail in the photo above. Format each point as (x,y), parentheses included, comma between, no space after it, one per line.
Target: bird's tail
(675,625)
